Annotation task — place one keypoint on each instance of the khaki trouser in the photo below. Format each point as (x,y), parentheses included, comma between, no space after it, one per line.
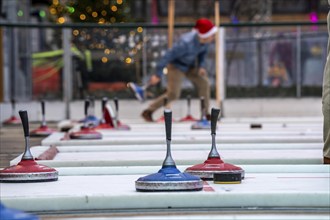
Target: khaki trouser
(174,82)
(326,101)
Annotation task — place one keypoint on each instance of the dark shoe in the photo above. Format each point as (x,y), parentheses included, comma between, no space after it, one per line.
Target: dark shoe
(326,160)
(147,115)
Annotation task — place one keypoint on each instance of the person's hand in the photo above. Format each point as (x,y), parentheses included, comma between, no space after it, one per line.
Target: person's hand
(154,79)
(202,71)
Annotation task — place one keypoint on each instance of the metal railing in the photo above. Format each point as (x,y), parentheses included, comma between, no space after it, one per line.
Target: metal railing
(261,58)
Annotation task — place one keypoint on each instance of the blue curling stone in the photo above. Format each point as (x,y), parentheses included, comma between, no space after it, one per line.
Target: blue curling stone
(201,124)
(169,178)
(13,214)
(91,120)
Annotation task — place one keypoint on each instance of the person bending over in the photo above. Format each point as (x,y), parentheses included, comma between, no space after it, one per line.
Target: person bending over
(185,59)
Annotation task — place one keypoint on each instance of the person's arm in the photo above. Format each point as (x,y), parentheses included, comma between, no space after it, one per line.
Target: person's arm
(178,50)
(201,63)
(201,58)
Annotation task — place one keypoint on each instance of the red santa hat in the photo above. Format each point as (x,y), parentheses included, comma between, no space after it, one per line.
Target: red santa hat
(205,28)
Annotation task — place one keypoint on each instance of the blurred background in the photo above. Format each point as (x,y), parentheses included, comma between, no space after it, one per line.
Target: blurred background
(273,48)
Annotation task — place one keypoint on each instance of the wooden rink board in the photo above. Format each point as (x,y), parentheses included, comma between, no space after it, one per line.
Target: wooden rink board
(181,157)
(144,170)
(270,120)
(225,127)
(175,147)
(303,190)
(56,139)
(177,132)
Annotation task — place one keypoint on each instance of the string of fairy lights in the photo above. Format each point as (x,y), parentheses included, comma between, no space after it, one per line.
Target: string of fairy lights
(125,45)
(98,11)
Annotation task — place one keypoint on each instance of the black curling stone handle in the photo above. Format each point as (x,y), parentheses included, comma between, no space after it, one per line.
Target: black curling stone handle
(188,100)
(86,106)
(104,102)
(25,122)
(168,123)
(116,104)
(42,107)
(214,119)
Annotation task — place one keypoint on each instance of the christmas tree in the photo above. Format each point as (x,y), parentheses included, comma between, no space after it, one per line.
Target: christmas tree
(91,11)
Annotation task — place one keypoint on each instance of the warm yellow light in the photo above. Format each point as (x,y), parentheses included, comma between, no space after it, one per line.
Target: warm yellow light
(139,29)
(52,11)
(128,60)
(55,2)
(104,59)
(104,12)
(113,19)
(119,2)
(75,32)
(82,17)
(114,8)
(94,14)
(101,21)
(107,51)
(61,20)
(106,2)
(89,9)
(60,8)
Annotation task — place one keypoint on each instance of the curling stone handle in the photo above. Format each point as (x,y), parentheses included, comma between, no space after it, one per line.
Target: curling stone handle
(87,102)
(116,104)
(168,123)
(104,102)
(115,119)
(43,123)
(202,108)
(13,103)
(168,126)
(25,122)
(214,118)
(42,107)
(189,103)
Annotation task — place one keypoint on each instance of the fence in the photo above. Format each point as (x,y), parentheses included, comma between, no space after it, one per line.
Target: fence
(277,59)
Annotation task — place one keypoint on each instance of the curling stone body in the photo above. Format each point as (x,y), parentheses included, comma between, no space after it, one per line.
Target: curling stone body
(168,178)
(27,170)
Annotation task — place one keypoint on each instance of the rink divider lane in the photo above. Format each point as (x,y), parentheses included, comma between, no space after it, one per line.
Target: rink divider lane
(182,157)
(56,139)
(143,170)
(113,192)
